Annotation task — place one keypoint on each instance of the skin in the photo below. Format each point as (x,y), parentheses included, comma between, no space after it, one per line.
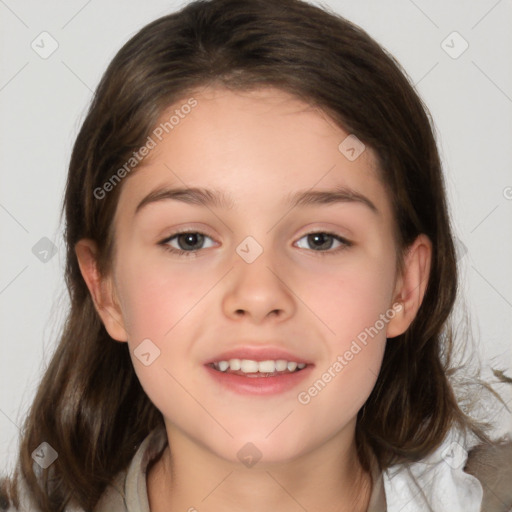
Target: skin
(257,146)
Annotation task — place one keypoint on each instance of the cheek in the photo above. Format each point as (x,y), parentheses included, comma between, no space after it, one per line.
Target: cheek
(350,298)
(337,392)
(163,304)
(158,306)
(156,297)
(354,307)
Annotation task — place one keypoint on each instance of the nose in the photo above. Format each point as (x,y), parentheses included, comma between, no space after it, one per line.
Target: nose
(258,290)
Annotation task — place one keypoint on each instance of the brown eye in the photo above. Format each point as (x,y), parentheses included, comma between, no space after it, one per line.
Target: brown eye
(187,243)
(321,242)
(190,241)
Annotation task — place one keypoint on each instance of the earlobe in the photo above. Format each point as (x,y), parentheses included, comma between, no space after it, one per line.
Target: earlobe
(101,289)
(411,285)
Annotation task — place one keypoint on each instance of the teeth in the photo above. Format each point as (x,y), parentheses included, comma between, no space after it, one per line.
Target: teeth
(281,365)
(250,366)
(292,366)
(223,366)
(235,364)
(267,366)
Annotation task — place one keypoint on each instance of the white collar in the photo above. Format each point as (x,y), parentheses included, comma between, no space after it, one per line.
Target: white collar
(436,483)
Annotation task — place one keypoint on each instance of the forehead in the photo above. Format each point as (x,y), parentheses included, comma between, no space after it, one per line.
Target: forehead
(260,145)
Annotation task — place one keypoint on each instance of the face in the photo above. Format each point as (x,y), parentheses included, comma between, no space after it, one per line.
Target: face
(256,275)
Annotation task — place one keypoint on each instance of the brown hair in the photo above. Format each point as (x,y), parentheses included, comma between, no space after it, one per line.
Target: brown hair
(90,406)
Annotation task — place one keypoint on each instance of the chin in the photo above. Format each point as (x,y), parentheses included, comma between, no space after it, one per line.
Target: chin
(257,449)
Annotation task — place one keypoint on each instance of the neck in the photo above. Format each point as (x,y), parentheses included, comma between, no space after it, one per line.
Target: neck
(192,478)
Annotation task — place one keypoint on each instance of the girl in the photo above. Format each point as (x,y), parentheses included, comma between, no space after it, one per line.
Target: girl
(261,272)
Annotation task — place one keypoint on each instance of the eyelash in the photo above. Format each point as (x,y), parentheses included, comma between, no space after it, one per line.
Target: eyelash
(180,252)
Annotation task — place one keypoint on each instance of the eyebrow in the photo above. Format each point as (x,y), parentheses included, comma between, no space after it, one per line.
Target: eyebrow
(219,199)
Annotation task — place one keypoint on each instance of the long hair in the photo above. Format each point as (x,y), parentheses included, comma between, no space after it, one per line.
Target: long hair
(89,405)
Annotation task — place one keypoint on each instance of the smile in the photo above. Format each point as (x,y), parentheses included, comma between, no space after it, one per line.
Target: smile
(263,378)
(252,368)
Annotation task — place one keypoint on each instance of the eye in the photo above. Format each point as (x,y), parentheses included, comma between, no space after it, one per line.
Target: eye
(189,243)
(321,242)
(186,243)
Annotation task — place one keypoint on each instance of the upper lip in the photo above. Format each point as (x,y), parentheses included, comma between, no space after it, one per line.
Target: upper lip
(258,353)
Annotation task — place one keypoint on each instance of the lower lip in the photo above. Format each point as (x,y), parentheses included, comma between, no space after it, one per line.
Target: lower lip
(259,385)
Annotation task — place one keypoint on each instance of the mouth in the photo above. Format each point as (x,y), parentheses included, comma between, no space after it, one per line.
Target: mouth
(257,369)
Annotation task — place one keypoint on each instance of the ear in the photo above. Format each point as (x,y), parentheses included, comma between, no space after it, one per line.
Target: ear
(410,286)
(101,289)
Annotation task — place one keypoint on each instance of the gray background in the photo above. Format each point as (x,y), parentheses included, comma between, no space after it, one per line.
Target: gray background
(43,101)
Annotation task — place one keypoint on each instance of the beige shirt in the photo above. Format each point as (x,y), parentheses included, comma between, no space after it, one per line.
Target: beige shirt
(402,488)
(128,492)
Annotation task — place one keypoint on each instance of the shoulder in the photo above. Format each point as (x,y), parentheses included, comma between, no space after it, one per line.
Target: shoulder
(492,466)
(459,476)
(15,496)
(128,487)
